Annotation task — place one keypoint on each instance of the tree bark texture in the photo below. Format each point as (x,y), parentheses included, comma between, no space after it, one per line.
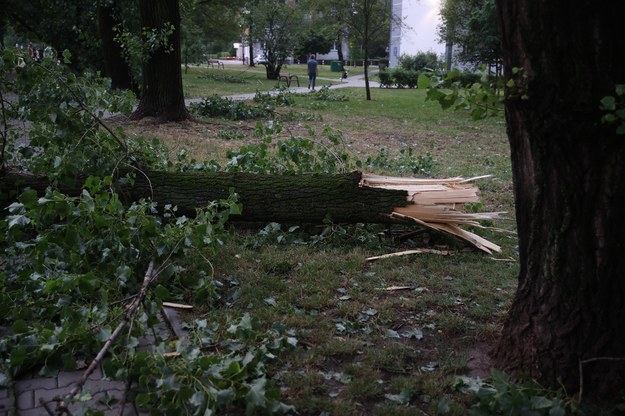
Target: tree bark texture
(115,65)
(569,186)
(162,94)
(265,198)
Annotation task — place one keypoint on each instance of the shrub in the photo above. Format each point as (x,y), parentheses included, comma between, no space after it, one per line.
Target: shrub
(464,78)
(216,106)
(419,62)
(386,79)
(405,78)
(399,77)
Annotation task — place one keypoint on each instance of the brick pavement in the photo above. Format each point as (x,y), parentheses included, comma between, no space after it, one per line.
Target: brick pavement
(25,397)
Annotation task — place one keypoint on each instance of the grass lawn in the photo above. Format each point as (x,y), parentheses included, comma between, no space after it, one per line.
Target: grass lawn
(201,81)
(362,349)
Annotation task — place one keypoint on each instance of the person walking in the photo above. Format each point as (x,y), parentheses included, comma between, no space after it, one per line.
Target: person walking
(312,72)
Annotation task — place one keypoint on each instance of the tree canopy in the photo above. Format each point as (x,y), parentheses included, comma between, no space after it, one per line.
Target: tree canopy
(471,25)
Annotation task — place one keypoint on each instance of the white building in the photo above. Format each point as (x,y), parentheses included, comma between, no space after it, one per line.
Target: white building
(414,29)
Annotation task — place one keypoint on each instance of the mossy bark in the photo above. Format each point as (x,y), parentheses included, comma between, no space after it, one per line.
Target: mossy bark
(265,198)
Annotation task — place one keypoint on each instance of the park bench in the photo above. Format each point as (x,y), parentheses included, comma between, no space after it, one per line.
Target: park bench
(213,62)
(288,78)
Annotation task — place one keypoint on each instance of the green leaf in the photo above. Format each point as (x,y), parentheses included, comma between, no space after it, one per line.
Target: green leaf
(161,292)
(14,220)
(142,399)
(390,333)
(424,81)
(402,398)
(557,411)
(198,399)
(415,333)
(28,198)
(18,356)
(256,395)
(19,326)
(540,402)
(608,103)
(67,57)
(104,334)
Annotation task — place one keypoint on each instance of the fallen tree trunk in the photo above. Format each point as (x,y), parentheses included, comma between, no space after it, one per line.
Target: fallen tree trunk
(344,198)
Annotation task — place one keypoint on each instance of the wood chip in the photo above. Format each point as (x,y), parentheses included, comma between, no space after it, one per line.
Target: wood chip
(409,252)
(176,305)
(394,288)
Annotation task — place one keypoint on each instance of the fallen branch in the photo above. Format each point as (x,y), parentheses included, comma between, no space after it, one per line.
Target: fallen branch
(131,310)
(409,252)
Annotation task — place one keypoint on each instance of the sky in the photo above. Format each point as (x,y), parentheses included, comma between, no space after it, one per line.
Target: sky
(422,17)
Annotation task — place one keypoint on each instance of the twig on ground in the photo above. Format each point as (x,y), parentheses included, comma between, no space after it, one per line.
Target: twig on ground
(131,310)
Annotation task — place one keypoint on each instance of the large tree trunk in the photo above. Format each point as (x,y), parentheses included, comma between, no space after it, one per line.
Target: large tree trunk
(162,94)
(569,185)
(115,65)
(348,198)
(265,198)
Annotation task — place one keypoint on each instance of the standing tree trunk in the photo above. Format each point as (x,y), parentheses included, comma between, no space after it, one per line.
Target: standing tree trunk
(114,64)
(162,95)
(569,184)
(368,8)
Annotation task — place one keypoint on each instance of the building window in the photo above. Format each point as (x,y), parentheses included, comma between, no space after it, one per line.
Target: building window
(395,51)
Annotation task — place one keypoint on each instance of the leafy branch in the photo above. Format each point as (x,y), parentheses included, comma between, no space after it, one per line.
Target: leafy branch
(131,310)
(481,98)
(614,108)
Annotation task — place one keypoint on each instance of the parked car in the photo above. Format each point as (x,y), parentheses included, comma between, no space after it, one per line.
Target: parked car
(260,59)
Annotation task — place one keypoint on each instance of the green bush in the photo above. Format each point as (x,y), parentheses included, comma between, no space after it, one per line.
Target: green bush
(399,77)
(419,62)
(464,78)
(216,106)
(405,78)
(386,79)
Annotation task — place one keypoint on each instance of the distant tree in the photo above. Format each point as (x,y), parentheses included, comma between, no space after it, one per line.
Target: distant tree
(369,20)
(472,25)
(420,61)
(276,26)
(60,24)
(206,24)
(315,40)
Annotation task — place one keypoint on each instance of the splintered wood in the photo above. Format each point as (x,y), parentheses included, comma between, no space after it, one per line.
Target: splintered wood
(439,204)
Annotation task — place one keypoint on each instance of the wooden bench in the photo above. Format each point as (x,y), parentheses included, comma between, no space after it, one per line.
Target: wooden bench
(213,62)
(288,78)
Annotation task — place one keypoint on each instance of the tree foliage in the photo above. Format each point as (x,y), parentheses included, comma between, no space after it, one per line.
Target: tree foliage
(472,25)
(275,25)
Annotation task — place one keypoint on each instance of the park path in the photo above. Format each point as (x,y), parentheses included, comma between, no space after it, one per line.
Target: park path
(357,81)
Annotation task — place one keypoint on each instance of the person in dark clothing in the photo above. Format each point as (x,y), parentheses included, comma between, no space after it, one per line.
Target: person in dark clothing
(312,72)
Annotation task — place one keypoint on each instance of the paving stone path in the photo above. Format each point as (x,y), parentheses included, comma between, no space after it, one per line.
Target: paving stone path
(27,395)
